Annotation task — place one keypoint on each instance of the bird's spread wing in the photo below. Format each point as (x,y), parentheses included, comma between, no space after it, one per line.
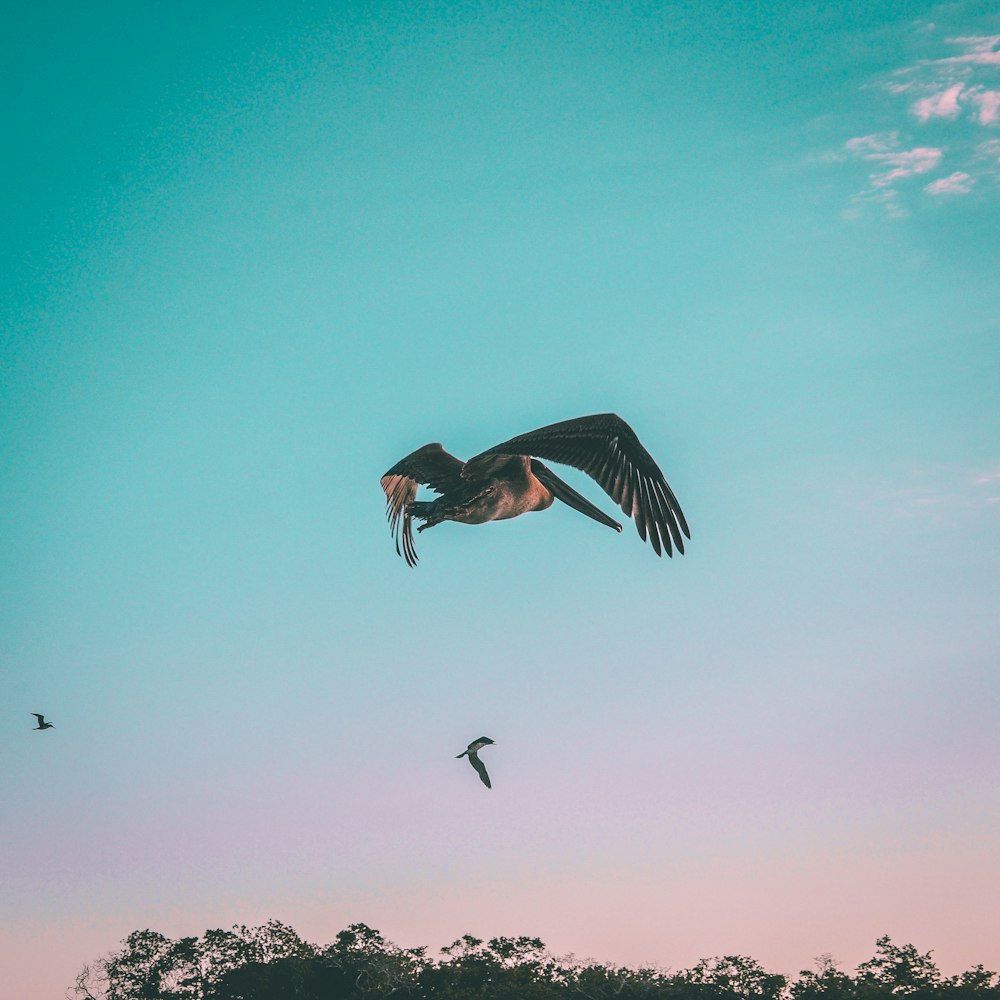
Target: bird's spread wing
(431,466)
(606,448)
(481,768)
(41,718)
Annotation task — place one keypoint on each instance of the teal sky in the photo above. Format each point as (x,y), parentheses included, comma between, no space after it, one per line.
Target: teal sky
(253,254)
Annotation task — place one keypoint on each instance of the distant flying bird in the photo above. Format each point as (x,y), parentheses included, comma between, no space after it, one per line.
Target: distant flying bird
(42,724)
(473,753)
(508,480)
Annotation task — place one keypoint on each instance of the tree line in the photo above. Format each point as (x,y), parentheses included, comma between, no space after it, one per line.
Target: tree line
(272,962)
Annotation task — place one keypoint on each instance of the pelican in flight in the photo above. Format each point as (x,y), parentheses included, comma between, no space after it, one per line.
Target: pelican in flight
(473,754)
(42,724)
(508,480)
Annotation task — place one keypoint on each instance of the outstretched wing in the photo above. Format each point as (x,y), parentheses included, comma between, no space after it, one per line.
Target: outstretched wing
(431,466)
(41,718)
(606,448)
(481,768)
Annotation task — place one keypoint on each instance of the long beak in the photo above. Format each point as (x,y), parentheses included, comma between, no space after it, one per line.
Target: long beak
(569,496)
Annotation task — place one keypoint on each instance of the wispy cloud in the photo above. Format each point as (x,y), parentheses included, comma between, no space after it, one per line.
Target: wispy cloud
(906,163)
(957,183)
(989,105)
(953,86)
(896,164)
(987,159)
(985,478)
(943,105)
(884,148)
(980,50)
(989,149)
(948,96)
(940,492)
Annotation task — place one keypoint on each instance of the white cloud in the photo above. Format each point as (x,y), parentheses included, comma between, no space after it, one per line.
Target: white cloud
(985,478)
(941,492)
(950,96)
(879,142)
(989,149)
(905,164)
(987,159)
(872,147)
(957,183)
(980,50)
(942,105)
(901,163)
(989,105)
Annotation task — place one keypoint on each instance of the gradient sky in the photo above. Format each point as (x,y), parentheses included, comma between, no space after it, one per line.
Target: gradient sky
(252,254)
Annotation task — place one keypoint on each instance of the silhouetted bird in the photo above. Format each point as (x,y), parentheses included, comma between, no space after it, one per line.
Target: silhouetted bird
(473,754)
(508,480)
(42,724)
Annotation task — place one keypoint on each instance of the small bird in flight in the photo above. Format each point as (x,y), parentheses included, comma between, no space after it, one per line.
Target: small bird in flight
(42,724)
(473,753)
(509,480)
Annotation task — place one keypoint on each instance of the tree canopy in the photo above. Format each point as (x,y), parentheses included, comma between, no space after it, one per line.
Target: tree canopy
(272,962)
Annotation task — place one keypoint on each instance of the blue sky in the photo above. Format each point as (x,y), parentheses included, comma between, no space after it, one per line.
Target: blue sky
(251,257)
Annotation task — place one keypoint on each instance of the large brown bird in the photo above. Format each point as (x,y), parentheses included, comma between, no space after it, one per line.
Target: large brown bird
(508,480)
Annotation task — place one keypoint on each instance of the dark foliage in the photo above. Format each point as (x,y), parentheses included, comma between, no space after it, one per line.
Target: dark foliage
(273,963)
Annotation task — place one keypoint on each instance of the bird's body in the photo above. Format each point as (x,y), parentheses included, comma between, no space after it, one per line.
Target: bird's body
(511,489)
(509,480)
(472,752)
(42,724)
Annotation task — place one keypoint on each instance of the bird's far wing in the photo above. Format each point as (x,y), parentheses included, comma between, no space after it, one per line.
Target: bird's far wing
(431,466)
(492,463)
(481,768)
(607,449)
(41,718)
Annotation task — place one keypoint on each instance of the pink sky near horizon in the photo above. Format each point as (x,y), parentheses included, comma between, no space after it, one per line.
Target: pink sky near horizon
(667,916)
(821,860)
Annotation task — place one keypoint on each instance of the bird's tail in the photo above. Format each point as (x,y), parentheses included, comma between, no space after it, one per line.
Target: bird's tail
(433,512)
(421,509)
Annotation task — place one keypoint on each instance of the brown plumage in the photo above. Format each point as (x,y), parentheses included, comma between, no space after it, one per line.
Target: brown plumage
(508,480)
